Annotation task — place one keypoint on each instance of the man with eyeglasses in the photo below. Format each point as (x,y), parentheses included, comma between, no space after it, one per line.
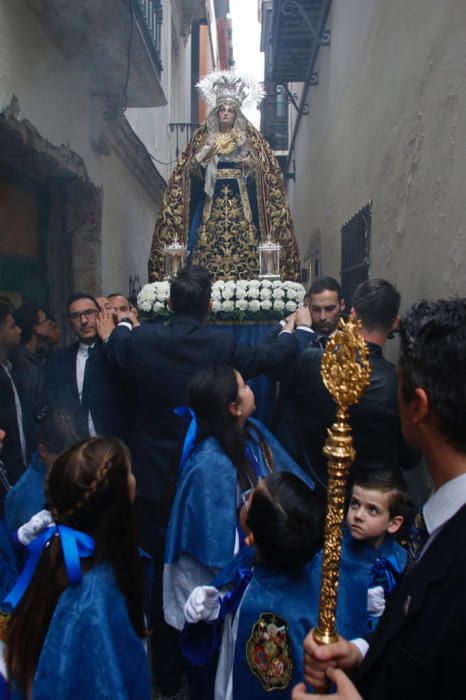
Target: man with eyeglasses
(79,379)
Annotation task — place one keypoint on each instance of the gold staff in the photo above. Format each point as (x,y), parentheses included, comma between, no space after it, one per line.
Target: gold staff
(346,373)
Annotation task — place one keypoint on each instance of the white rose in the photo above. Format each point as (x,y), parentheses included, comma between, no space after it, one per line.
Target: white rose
(228,306)
(220,284)
(278,294)
(254,283)
(266,283)
(216,306)
(278,305)
(230,283)
(253,292)
(158,306)
(147,293)
(265,293)
(291,306)
(145,305)
(300,295)
(276,283)
(216,294)
(242,283)
(228,292)
(241,292)
(291,293)
(266,305)
(241,304)
(254,305)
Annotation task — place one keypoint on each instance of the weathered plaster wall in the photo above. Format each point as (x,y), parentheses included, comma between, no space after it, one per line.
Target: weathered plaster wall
(387,124)
(53,95)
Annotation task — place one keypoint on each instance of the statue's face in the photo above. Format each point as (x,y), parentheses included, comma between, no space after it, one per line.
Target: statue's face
(226,115)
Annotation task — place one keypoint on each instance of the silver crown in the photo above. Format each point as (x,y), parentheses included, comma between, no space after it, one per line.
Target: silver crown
(230,87)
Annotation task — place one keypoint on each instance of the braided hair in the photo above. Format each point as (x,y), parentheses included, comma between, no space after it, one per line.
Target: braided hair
(87,489)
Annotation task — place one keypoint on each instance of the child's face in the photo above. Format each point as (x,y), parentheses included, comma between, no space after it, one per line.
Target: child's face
(368,516)
(245,405)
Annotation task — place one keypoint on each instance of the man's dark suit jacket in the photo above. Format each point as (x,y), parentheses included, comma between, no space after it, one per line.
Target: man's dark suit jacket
(11,453)
(375,420)
(101,390)
(160,360)
(418,651)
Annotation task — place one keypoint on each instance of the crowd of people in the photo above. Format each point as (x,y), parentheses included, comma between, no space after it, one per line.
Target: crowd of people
(154,533)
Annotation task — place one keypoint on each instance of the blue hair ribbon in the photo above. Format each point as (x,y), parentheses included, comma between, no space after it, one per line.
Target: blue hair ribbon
(75,544)
(191,433)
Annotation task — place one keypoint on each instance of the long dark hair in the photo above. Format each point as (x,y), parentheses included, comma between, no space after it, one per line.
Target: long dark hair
(87,489)
(210,393)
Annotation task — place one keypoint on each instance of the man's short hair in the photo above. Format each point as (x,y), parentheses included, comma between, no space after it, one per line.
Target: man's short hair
(5,309)
(323,284)
(287,520)
(377,304)
(58,431)
(78,296)
(190,291)
(26,317)
(387,481)
(433,356)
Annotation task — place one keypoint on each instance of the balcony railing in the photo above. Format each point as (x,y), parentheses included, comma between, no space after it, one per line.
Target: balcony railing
(151,14)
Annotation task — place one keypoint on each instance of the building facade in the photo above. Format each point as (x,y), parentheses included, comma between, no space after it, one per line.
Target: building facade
(92,96)
(377,154)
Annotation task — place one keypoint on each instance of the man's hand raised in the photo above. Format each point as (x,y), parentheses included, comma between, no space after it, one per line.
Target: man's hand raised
(105,324)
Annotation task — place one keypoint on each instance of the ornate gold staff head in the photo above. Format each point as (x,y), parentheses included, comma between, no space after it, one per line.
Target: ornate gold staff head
(346,373)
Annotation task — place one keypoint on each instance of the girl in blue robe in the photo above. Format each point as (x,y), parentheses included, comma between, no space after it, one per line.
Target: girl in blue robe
(79,601)
(229,455)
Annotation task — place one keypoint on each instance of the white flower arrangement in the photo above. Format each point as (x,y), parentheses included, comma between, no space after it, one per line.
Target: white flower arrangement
(256,300)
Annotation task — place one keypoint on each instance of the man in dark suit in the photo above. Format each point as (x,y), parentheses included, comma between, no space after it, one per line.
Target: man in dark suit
(160,360)
(11,409)
(79,378)
(419,648)
(375,419)
(316,323)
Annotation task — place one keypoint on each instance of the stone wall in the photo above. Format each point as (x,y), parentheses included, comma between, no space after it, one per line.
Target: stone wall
(386,125)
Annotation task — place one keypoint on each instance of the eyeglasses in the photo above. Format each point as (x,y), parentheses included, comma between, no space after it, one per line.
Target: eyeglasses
(87,313)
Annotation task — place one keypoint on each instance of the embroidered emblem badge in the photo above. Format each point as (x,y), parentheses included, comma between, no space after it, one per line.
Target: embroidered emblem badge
(268,652)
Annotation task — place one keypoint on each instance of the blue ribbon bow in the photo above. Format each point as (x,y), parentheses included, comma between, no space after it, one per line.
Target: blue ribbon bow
(191,433)
(74,544)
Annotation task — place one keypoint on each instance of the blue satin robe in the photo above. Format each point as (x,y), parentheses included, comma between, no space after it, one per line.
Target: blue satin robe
(286,596)
(91,650)
(203,519)
(358,567)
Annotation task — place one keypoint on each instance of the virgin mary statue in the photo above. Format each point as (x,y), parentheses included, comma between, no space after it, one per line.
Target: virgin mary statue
(226,194)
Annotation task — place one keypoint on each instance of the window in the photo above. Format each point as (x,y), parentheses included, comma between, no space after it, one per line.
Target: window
(355,252)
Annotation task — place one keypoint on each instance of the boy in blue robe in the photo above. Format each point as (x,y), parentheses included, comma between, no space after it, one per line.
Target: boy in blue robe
(372,562)
(267,613)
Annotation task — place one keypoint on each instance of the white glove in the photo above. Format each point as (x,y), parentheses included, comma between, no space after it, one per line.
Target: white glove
(202,605)
(376,601)
(29,531)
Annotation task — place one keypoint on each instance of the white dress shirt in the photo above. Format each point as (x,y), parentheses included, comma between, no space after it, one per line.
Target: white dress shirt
(81,360)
